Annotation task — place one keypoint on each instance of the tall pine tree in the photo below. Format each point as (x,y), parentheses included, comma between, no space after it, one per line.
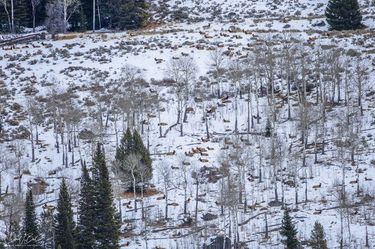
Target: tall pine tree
(268,132)
(30,232)
(140,148)
(126,146)
(47,229)
(133,14)
(132,144)
(317,240)
(343,14)
(64,230)
(86,212)
(107,225)
(289,232)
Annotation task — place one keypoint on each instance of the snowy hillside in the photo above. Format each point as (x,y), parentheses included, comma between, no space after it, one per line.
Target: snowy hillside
(254,67)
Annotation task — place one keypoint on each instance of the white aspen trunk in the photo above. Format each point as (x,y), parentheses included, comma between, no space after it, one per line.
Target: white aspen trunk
(93,15)
(12,12)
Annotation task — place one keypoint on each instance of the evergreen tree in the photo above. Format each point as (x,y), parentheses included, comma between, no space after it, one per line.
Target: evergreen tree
(132,144)
(87,12)
(107,226)
(289,232)
(46,230)
(133,14)
(343,14)
(14,237)
(126,146)
(22,14)
(140,148)
(30,232)
(41,12)
(268,128)
(317,240)
(86,214)
(64,229)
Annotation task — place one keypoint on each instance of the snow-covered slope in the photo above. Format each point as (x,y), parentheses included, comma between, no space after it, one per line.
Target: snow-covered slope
(81,68)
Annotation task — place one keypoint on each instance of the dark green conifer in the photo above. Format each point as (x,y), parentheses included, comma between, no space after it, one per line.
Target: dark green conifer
(47,227)
(289,232)
(139,148)
(268,128)
(343,14)
(317,240)
(133,14)
(107,227)
(65,226)
(30,232)
(132,144)
(126,146)
(86,213)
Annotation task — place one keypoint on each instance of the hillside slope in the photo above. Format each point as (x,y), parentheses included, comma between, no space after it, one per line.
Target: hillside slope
(272,62)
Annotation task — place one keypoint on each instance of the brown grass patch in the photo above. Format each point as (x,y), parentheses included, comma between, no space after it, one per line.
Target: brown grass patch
(147,193)
(66,37)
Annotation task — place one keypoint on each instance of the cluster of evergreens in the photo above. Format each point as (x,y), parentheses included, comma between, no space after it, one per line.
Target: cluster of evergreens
(132,149)
(113,14)
(98,223)
(123,14)
(343,14)
(289,233)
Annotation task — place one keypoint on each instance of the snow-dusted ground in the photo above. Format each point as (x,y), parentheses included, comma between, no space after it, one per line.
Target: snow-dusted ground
(78,63)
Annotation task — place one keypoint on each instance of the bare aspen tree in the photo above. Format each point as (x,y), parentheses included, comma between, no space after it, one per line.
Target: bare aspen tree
(260,152)
(318,62)
(231,203)
(348,78)
(341,142)
(289,67)
(116,113)
(294,172)
(217,63)
(268,67)
(34,6)
(160,108)
(202,92)
(2,117)
(71,5)
(235,73)
(31,129)
(130,88)
(13,29)
(184,172)
(47,228)
(18,149)
(128,171)
(317,132)
(55,21)
(334,62)
(53,103)
(13,213)
(143,172)
(4,164)
(250,75)
(275,162)
(198,177)
(257,81)
(10,18)
(238,164)
(360,76)
(183,73)
(72,119)
(166,179)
